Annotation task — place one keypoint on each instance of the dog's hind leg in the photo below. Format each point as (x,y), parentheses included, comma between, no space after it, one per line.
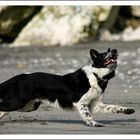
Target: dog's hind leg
(2,114)
(12,104)
(32,105)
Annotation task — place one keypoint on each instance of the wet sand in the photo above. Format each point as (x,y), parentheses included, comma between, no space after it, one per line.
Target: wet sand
(124,89)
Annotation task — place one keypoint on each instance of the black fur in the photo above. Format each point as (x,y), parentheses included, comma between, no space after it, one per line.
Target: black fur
(101,82)
(98,59)
(17,91)
(36,105)
(109,76)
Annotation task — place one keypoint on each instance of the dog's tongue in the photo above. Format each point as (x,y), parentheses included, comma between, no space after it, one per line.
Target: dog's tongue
(110,61)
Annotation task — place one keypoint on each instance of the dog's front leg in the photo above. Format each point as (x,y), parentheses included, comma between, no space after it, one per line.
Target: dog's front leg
(107,108)
(97,106)
(2,114)
(82,106)
(86,115)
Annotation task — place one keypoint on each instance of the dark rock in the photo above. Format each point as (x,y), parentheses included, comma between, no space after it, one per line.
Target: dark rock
(13,19)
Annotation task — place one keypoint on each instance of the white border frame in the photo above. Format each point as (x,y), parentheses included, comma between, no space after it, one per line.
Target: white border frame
(62,137)
(67,3)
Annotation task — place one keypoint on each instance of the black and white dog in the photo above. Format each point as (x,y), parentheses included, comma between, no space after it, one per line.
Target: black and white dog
(82,89)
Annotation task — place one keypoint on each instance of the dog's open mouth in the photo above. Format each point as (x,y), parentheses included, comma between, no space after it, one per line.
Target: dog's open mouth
(111,59)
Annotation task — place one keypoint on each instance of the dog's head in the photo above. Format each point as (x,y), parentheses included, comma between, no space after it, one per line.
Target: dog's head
(106,59)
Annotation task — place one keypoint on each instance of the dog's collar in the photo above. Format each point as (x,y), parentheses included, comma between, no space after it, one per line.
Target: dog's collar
(102,82)
(99,78)
(106,77)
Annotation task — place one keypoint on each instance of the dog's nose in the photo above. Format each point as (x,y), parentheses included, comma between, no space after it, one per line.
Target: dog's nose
(114,53)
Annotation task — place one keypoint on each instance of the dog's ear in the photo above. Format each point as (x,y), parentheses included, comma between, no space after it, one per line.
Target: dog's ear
(108,50)
(94,54)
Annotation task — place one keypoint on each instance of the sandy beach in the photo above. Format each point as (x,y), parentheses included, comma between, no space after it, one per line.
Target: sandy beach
(124,89)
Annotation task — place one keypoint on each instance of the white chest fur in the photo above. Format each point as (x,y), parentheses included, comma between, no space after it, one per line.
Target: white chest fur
(89,70)
(95,91)
(99,71)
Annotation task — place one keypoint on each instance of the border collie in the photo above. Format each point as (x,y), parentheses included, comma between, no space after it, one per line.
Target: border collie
(82,89)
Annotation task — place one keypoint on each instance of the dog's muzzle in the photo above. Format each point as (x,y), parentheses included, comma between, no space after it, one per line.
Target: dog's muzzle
(111,57)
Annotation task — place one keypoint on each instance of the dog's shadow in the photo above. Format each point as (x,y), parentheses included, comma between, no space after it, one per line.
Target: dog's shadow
(42,121)
(66,121)
(62,121)
(100,121)
(117,121)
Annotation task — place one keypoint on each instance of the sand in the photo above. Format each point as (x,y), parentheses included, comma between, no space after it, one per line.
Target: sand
(124,89)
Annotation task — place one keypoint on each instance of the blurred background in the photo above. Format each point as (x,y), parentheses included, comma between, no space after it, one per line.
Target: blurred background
(67,25)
